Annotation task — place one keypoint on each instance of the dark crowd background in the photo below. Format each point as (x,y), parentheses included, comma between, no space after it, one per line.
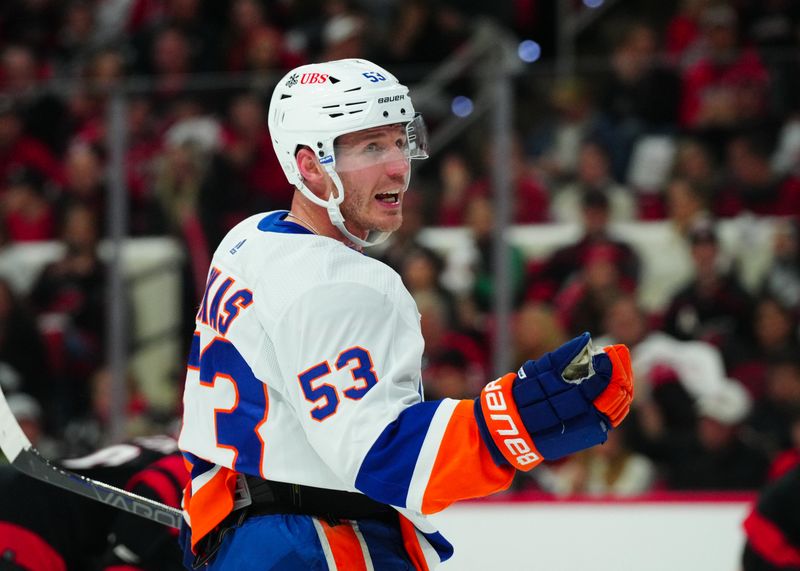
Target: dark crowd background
(685,113)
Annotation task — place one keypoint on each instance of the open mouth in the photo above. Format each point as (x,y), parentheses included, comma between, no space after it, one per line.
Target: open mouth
(388,197)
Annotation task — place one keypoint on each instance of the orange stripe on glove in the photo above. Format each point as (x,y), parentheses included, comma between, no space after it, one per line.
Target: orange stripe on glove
(615,400)
(505,425)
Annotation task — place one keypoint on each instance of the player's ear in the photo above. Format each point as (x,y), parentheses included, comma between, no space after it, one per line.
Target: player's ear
(308,165)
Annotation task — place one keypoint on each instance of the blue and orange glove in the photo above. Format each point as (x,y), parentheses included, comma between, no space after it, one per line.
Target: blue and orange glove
(563,402)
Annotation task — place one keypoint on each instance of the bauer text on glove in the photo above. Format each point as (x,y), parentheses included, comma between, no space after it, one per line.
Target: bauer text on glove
(565,401)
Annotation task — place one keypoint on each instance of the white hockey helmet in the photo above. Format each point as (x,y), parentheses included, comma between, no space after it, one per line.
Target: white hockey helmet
(314,104)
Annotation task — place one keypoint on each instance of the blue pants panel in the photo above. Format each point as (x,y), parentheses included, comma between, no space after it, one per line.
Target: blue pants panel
(290,543)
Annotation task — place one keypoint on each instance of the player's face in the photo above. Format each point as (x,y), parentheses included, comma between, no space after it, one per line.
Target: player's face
(373,166)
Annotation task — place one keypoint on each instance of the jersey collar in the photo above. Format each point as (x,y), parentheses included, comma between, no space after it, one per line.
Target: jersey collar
(276,222)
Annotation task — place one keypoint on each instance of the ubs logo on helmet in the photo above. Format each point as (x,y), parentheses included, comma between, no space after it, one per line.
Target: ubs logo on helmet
(391,99)
(307,78)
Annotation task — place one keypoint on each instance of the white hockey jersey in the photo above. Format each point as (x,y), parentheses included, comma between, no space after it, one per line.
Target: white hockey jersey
(305,368)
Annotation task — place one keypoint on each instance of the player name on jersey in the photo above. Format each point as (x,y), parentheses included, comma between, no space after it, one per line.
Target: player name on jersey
(225,304)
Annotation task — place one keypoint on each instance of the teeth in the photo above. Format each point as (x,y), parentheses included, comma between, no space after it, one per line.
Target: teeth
(388,197)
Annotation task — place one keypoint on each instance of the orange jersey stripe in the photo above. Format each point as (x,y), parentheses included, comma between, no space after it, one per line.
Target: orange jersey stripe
(345,547)
(411,543)
(463,467)
(211,503)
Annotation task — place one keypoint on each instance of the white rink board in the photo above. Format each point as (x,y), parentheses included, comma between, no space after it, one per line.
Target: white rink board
(659,536)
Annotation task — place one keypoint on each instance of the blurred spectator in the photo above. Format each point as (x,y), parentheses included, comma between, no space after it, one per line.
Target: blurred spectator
(266,59)
(536,331)
(248,147)
(144,148)
(530,197)
(775,332)
(683,32)
(25,210)
(772,27)
(18,150)
(69,296)
(687,205)
(728,85)
(581,303)
(245,18)
(658,358)
(640,95)
(343,37)
(76,39)
(179,183)
(178,39)
(695,163)
(753,186)
(470,268)
(456,178)
(32,23)
(555,145)
(85,182)
(87,432)
(673,376)
(425,32)
(454,364)
(782,278)
(41,112)
(608,470)
(713,306)
(244,176)
(566,263)
(171,60)
(776,412)
(420,271)
(22,348)
(593,176)
(87,110)
(720,457)
(179,176)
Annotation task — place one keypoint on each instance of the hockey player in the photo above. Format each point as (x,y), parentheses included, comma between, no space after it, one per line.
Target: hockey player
(310,443)
(45,528)
(772,529)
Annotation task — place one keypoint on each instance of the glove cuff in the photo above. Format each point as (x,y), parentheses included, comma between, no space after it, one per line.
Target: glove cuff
(504,426)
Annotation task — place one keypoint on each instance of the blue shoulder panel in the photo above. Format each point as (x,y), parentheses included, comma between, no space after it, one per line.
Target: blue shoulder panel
(276,222)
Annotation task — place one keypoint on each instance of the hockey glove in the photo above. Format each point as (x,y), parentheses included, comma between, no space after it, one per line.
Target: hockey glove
(563,402)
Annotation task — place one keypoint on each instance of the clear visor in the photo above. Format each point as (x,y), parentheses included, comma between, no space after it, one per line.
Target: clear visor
(397,143)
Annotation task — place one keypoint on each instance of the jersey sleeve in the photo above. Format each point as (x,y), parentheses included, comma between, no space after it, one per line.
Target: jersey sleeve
(351,357)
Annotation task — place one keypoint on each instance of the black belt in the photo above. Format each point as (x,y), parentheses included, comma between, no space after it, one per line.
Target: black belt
(269,497)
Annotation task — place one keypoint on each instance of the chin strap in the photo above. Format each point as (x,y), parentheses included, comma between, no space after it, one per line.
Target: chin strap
(335,214)
(337,220)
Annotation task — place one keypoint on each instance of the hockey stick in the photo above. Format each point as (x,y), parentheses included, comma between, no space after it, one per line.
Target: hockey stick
(25,458)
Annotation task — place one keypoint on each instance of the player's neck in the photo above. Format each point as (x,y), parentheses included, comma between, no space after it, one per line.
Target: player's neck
(316,220)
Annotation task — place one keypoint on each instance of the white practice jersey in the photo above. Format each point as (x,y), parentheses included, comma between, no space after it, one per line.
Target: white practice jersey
(305,368)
